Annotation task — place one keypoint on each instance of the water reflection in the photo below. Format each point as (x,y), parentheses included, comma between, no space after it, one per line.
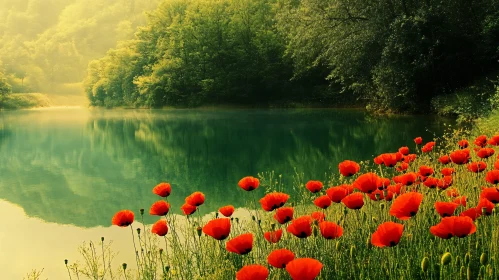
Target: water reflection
(79,167)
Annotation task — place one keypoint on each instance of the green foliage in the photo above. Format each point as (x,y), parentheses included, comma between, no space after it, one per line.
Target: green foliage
(25,101)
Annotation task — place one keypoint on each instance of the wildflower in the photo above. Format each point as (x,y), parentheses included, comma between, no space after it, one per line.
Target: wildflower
(404,150)
(402,167)
(336,194)
(396,189)
(354,201)
(491,194)
(446,209)
(472,213)
(366,182)
(253,272)
(428,147)
(425,170)
(481,141)
(318,216)
(241,244)
(477,166)
(273,236)
(407,179)
(323,202)
(444,159)
(460,200)
(463,144)
(273,201)
(348,168)
(284,215)
(431,182)
(314,186)
(390,159)
(330,230)
(410,158)
(452,192)
(383,183)
(494,140)
(160,228)
(447,171)
(280,258)
(188,209)
(195,199)
(496,164)
(388,234)
(492,177)
(218,228)
(162,189)
(454,226)
(418,140)
(159,208)
(301,227)
(406,205)
(249,183)
(304,268)
(445,182)
(227,211)
(123,218)
(485,206)
(460,156)
(485,152)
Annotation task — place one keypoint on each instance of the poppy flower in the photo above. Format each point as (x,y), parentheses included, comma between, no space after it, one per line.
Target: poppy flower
(227,211)
(330,230)
(418,140)
(159,208)
(284,215)
(477,166)
(485,152)
(195,199)
(485,206)
(280,258)
(431,182)
(492,177)
(404,150)
(472,213)
(241,244)
(160,228)
(273,236)
(188,209)
(444,159)
(425,170)
(218,228)
(253,272)
(273,201)
(304,268)
(348,168)
(481,141)
(496,164)
(377,195)
(445,182)
(454,226)
(323,202)
(452,192)
(491,194)
(367,182)
(354,201)
(447,171)
(390,159)
(460,200)
(378,160)
(460,156)
(248,183)
(445,209)
(318,216)
(162,189)
(383,183)
(314,186)
(123,218)
(336,194)
(406,205)
(494,140)
(410,158)
(301,227)
(408,179)
(396,189)
(388,234)
(428,147)
(402,167)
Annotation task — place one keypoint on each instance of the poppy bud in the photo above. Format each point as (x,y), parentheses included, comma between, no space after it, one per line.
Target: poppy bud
(447,249)
(482,272)
(483,258)
(352,251)
(315,231)
(161,251)
(458,260)
(66,261)
(462,271)
(253,217)
(292,204)
(237,220)
(167,268)
(259,222)
(231,219)
(199,231)
(345,211)
(102,239)
(382,206)
(138,231)
(272,225)
(141,211)
(425,263)
(124,266)
(484,211)
(467,258)
(338,245)
(446,258)
(468,273)
(377,196)
(216,215)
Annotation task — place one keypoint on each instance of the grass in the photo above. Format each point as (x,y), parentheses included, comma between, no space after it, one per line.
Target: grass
(25,101)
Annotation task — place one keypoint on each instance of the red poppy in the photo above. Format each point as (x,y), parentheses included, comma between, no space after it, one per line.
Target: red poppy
(402,167)
(301,227)
(318,216)
(227,211)
(460,200)
(431,182)
(481,140)
(485,152)
(284,214)
(444,159)
(492,177)
(494,140)
(445,182)
(330,230)
(463,144)
(336,194)
(410,158)
(304,268)
(348,168)
(241,244)
(218,228)
(253,272)
(425,170)
(496,164)
(162,189)
(314,186)
(273,236)
(477,166)
(446,209)
(408,179)
(390,159)
(123,218)
(248,183)
(195,199)
(188,209)
(396,189)
(460,156)
(159,208)
(454,226)
(452,192)
(388,234)
(418,140)
(404,150)
(280,258)
(406,205)
(428,147)
(485,206)
(354,201)
(366,182)
(160,228)
(323,202)
(273,201)
(383,183)
(472,213)
(447,171)
(378,160)
(491,194)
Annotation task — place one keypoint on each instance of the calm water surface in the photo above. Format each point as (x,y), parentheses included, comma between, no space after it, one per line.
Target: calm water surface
(65,172)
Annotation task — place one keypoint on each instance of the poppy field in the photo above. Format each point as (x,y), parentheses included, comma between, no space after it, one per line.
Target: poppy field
(426,211)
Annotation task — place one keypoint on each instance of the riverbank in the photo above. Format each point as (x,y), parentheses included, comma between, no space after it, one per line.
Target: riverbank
(19,101)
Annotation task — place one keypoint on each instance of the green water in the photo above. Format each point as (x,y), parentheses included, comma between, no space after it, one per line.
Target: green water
(79,166)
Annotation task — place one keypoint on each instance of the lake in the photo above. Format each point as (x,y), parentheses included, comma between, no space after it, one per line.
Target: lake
(65,172)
